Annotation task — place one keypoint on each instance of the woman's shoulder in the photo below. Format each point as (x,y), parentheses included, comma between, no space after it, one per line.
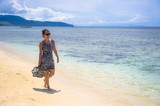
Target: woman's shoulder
(41,42)
(52,40)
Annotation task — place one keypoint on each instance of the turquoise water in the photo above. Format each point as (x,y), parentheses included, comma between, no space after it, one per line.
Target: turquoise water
(122,59)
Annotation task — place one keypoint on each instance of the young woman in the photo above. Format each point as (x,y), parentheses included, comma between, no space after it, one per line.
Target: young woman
(46,61)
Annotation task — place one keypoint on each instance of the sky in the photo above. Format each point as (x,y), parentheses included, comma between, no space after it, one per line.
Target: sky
(87,12)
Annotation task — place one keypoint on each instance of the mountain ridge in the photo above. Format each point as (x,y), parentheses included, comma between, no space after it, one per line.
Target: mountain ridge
(13,20)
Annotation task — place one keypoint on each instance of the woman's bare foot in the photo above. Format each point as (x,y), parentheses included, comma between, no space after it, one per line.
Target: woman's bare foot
(49,89)
(45,85)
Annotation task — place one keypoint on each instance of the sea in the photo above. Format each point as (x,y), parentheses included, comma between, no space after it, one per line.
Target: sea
(126,60)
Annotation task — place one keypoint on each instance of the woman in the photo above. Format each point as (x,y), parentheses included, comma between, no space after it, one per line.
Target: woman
(46,61)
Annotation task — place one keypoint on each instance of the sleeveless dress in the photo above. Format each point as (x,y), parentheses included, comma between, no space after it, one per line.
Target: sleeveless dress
(47,61)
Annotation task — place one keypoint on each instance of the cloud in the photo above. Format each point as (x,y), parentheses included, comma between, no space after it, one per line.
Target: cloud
(122,13)
(134,20)
(16,5)
(6,7)
(39,13)
(101,21)
(86,12)
(46,14)
(67,5)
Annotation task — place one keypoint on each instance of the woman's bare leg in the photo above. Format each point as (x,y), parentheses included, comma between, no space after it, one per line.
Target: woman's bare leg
(52,72)
(47,79)
(45,83)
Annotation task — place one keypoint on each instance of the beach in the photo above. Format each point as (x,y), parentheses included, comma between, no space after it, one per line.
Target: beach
(19,88)
(91,72)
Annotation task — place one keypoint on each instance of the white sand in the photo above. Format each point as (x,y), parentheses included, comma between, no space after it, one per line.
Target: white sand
(19,88)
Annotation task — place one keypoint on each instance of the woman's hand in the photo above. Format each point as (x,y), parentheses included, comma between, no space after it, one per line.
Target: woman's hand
(57,59)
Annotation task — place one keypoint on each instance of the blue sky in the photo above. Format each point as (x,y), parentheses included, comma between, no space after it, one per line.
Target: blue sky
(87,12)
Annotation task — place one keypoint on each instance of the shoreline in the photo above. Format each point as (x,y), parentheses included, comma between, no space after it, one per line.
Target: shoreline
(18,87)
(73,92)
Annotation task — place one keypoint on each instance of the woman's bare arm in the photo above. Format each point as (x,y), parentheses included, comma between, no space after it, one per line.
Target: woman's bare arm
(40,53)
(55,51)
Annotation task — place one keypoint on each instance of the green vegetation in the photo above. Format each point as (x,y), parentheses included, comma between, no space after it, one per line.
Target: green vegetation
(12,20)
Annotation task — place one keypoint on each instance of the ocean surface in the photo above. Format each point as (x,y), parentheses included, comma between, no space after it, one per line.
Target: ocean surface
(122,59)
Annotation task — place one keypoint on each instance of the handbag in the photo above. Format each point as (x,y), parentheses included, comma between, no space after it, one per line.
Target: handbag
(36,72)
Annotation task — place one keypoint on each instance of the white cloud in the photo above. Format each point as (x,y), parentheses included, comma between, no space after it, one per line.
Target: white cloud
(101,21)
(4,14)
(40,13)
(68,5)
(16,5)
(136,19)
(91,23)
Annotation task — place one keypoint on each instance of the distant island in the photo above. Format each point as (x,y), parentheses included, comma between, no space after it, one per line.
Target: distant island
(13,20)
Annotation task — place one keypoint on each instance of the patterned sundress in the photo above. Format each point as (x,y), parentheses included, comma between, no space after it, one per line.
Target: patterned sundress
(47,61)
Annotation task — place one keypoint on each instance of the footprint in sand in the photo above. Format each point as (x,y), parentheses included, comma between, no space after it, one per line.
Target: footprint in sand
(31,99)
(3,101)
(18,73)
(25,79)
